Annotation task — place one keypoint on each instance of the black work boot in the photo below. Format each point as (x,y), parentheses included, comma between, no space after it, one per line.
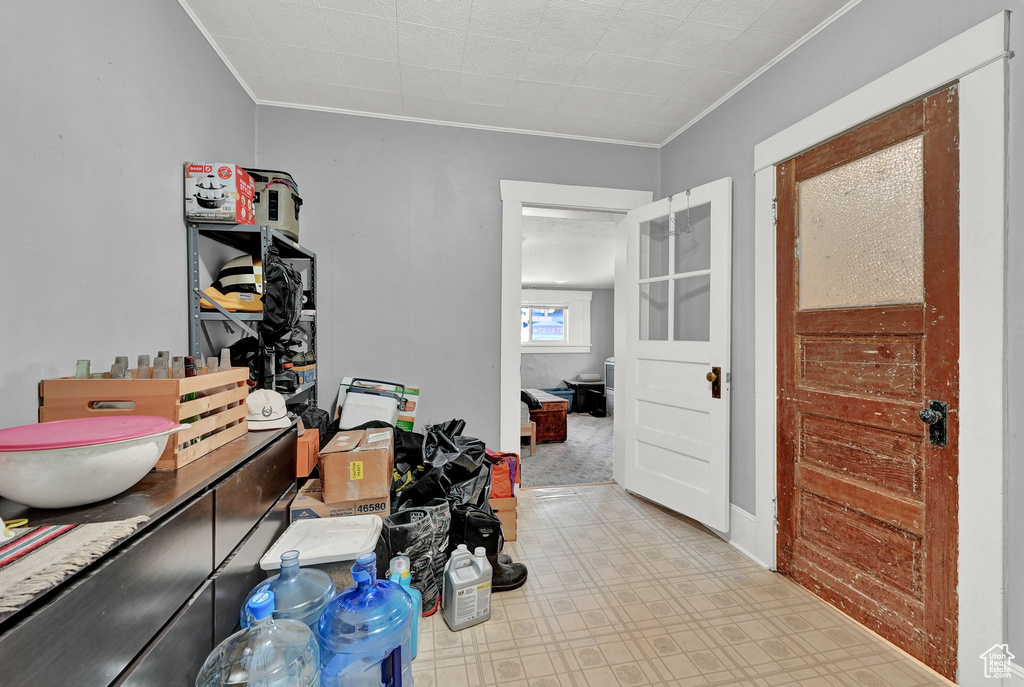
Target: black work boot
(410,533)
(474,527)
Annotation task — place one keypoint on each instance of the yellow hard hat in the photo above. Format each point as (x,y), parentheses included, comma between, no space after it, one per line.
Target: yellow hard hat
(232,302)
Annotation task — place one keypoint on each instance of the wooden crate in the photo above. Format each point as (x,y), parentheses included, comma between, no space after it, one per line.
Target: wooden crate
(68,398)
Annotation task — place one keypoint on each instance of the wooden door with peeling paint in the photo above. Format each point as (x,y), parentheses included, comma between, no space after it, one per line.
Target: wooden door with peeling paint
(868,338)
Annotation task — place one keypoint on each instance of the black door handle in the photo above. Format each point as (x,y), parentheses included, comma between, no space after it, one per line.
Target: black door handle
(935,417)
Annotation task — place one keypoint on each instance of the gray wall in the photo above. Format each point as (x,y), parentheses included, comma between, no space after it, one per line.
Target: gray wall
(549,369)
(870,40)
(407,217)
(102,101)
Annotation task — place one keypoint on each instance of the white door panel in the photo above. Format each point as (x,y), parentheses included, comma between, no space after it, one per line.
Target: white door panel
(673,289)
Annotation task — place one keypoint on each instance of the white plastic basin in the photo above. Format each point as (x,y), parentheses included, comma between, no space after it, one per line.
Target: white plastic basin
(77,475)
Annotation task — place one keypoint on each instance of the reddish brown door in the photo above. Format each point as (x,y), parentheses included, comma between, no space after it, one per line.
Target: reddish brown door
(868,280)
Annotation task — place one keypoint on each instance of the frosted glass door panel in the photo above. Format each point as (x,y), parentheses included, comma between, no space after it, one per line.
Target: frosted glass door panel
(861,231)
(693,309)
(693,239)
(654,311)
(654,247)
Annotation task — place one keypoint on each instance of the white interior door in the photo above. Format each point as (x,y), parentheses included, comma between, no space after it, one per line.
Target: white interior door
(672,351)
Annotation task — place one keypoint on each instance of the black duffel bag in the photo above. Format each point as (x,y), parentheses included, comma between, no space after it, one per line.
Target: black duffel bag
(282,298)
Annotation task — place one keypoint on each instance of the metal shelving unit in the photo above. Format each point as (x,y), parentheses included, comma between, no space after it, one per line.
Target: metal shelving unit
(243,316)
(255,240)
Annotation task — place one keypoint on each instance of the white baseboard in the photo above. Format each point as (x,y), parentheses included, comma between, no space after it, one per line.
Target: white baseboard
(742,534)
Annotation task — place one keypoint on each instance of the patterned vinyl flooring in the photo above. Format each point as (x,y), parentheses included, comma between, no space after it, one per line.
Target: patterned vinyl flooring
(622,593)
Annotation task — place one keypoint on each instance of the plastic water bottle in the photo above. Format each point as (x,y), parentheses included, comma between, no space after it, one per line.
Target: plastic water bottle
(466,597)
(401,573)
(270,653)
(299,593)
(366,633)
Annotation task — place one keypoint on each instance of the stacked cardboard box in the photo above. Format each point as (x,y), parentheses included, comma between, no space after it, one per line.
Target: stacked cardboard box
(355,477)
(357,465)
(505,509)
(309,504)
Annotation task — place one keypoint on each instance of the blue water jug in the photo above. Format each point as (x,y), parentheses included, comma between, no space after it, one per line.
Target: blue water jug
(365,633)
(299,593)
(270,653)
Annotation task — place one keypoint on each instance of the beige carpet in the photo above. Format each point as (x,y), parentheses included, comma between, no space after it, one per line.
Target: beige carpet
(584,458)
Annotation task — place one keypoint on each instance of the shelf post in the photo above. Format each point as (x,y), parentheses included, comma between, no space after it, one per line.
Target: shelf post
(194,325)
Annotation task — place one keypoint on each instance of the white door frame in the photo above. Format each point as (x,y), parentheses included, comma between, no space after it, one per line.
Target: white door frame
(978,59)
(514,195)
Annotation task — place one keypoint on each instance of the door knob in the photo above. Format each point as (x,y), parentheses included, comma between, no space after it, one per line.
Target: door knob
(715,377)
(935,417)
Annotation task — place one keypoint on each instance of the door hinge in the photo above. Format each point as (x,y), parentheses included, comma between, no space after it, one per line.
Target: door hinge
(775,211)
(775,509)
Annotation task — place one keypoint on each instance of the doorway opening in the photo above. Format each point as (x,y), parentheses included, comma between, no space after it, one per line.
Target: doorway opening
(540,200)
(567,345)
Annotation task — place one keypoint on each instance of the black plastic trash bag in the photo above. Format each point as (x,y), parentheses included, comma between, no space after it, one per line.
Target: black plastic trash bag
(451,467)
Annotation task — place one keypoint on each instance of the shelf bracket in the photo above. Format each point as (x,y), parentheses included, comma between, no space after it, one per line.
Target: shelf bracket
(230,315)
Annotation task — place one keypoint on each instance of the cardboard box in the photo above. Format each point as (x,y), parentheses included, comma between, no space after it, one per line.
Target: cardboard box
(356,466)
(506,510)
(309,504)
(218,192)
(307,452)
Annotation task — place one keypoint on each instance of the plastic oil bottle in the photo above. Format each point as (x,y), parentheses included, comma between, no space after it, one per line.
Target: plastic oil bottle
(401,573)
(466,598)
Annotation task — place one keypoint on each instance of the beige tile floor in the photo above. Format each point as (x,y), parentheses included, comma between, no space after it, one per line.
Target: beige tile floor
(622,592)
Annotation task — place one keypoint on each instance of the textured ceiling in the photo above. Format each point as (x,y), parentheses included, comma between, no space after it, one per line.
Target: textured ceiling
(625,70)
(578,253)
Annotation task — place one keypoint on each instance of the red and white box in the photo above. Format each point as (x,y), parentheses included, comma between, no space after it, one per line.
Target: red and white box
(218,192)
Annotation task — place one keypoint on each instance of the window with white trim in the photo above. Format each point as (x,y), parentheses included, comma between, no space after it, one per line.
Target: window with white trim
(555,321)
(545,323)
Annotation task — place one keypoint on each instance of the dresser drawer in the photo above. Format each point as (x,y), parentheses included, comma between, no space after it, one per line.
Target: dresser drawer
(242,570)
(174,657)
(246,496)
(92,631)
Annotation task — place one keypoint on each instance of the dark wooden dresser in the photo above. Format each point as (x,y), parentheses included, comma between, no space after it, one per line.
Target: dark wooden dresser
(550,419)
(150,610)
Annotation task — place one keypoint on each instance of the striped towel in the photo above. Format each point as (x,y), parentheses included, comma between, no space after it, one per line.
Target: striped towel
(37,559)
(29,540)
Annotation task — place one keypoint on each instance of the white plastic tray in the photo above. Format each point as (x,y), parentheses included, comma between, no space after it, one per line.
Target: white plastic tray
(326,540)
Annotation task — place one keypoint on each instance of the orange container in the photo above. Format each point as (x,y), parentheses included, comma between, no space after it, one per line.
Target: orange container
(68,398)
(307,452)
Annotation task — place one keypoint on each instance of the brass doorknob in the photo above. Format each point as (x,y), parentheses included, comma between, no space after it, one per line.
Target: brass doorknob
(711,376)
